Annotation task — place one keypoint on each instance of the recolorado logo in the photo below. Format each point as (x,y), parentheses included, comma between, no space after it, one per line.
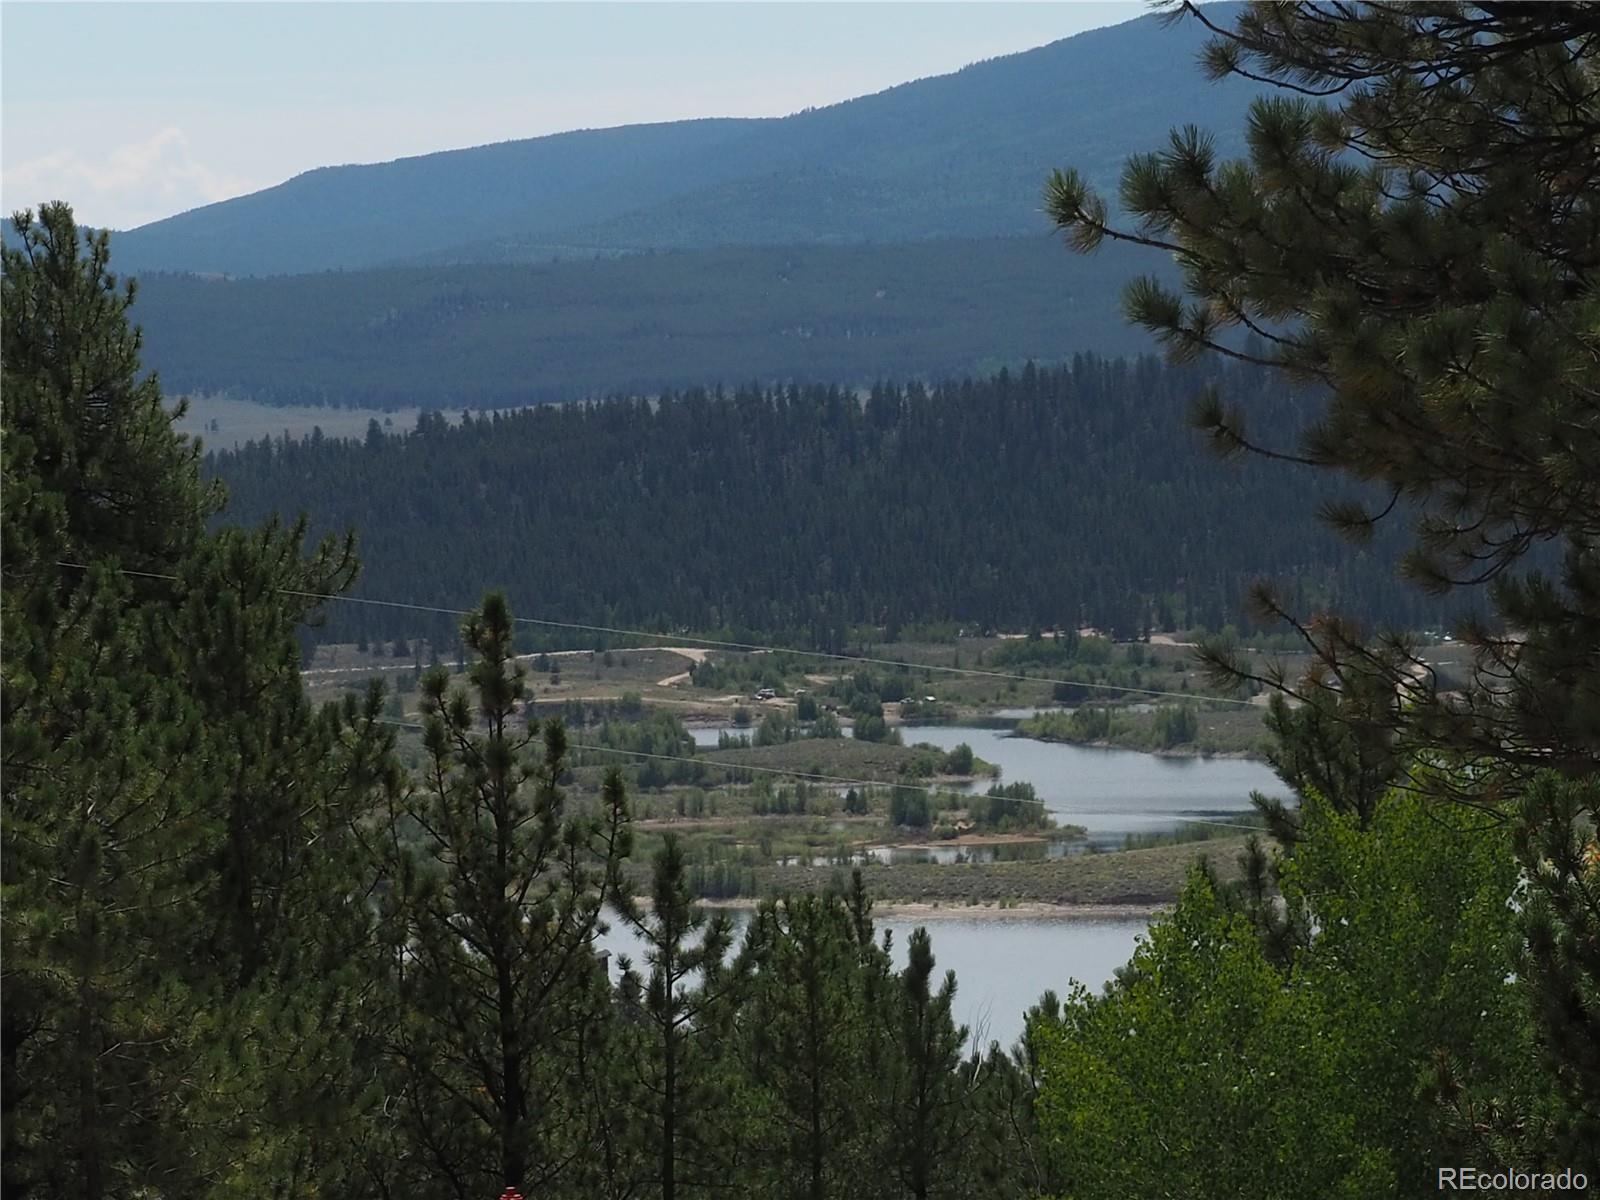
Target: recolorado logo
(1473,1179)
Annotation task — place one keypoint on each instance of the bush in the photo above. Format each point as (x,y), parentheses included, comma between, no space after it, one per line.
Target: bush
(826,726)
(959,761)
(908,806)
(872,729)
(1175,725)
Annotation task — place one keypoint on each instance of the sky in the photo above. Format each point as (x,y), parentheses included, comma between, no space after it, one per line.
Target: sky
(133,112)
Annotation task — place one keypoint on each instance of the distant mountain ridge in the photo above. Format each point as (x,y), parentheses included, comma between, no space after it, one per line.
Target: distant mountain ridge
(498,335)
(953,156)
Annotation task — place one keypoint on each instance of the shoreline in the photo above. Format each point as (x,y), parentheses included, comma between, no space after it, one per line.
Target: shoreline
(926,910)
(1163,752)
(1061,833)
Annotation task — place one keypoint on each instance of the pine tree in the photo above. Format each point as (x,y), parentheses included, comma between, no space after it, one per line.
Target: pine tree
(496,892)
(679,1070)
(97,468)
(806,1026)
(931,1110)
(1415,235)
(99,833)
(1555,842)
(177,821)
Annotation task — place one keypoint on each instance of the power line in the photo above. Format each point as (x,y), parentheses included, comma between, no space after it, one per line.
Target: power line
(662,641)
(833,779)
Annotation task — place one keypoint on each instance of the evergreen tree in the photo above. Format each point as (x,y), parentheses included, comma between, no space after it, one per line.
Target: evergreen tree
(99,833)
(1114,508)
(931,1111)
(177,820)
(496,896)
(1555,842)
(806,1028)
(90,444)
(1416,234)
(680,1070)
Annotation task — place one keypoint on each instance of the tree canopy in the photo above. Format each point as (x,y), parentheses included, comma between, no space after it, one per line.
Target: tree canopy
(1053,496)
(1414,239)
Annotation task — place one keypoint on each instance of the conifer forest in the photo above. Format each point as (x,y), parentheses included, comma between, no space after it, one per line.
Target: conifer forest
(576,790)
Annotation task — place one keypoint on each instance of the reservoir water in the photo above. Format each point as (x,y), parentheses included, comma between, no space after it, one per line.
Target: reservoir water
(1002,964)
(1111,793)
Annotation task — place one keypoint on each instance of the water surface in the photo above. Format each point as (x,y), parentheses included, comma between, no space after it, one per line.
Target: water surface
(1111,793)
(1002,964)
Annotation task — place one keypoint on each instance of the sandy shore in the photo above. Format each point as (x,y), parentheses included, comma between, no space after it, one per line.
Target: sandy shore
(1029,911)
(985,839)
(1023,911)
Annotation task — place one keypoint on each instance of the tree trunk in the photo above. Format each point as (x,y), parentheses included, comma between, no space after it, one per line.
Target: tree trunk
(669,1118)
(514,1106)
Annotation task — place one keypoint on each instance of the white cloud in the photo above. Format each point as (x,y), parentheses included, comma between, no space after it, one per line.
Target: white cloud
(135,183)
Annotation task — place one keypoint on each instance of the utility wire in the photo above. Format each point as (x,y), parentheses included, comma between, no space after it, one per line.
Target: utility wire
(665,641)
(833,779)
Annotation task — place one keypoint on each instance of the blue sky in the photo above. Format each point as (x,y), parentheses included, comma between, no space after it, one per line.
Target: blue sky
(136,111)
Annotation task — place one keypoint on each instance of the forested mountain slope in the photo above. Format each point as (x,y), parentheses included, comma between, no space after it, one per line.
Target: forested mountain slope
(1046,496)
(961,155)
(503,335)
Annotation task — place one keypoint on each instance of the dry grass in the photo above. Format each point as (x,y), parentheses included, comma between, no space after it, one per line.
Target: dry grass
(1129,877)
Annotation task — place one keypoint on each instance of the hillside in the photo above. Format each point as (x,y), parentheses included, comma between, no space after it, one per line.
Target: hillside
(500,336)
(1060,496)
(955,156)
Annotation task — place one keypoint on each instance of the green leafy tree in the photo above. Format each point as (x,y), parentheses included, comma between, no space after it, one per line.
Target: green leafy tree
(874,728)
(775,729)
(959,761)
(908,806)
(826,727)
(1175,725)
(1394,1042)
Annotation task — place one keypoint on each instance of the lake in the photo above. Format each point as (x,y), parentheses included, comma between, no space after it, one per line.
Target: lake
(1002,964)
(1111,793)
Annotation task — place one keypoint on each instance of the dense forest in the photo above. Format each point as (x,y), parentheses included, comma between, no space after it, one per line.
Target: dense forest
(1048,497)
(250,948)
(246,950)
(499,336)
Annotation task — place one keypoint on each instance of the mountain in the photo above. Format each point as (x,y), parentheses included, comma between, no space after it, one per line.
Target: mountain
(956,156)
(501,335)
